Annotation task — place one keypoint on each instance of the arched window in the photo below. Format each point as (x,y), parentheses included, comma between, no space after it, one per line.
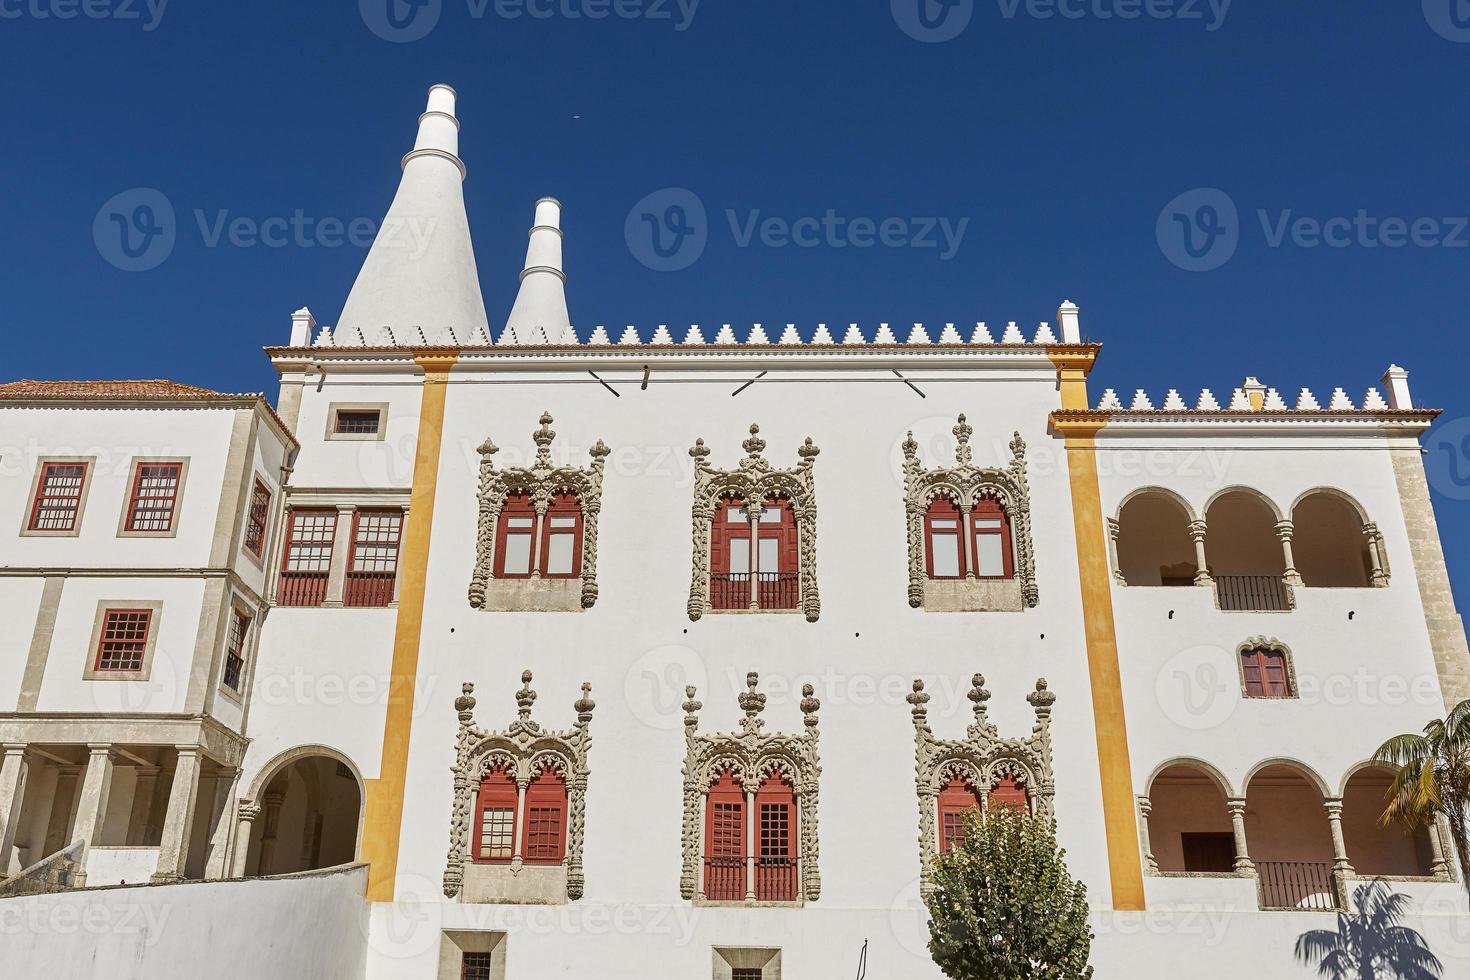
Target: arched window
(775,869)
(495,818)
(944,540)
(992,528)
(724,840)
(776,556)
(1265,672)
(561,549)
(546,820)
(1009,792)
(515,538)
(730,558)
(955,800)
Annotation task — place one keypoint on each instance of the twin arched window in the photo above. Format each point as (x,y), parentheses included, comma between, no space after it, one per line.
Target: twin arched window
(758,548)
(509,826)
(958,798)
(545,546)
(974,544)
(750,841)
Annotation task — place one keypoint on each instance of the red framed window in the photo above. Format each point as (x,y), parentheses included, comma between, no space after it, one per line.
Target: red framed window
(476,966)
(775,864)
(256,518)
(1009,793)
(358,422)
(777,565)
(730,555)
(495,819)
(235,649)
(515,538)
(561,540)
(992,529)
(546,819)
(373,565)
(724,841)
(1265,673)
(955,800)
(58,497)
(307,558)
(154,496)
(944,540)
(124,640)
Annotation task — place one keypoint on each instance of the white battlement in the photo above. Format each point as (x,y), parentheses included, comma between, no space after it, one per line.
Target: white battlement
(1252,396)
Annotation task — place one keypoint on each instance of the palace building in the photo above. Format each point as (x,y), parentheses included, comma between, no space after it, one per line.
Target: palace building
(500,649)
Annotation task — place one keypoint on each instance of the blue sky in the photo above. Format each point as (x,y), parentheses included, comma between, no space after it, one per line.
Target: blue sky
(1048,136)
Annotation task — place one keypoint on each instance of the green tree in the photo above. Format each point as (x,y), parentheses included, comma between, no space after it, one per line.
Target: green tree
(1369,943)
(1433,779)
(1003,906)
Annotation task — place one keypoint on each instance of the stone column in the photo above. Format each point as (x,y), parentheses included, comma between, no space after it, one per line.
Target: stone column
(1284,533)
(1243,863)
(1438,866)
(217,863)
(1197,530)
(145,784)
(1378,578)
(92,805)
(518,831)
(967,531)
(538,535)
(1145,809)
(1340,864)
(173,852)
(750,842)
(14,768)
(755,553)
(246,813)
(269,830)
(1115,530)
(341,552)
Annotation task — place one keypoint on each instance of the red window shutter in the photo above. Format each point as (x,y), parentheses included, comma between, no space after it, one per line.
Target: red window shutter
(545,826)
(494,822)
(306,560)
(944,510)
(1250,666)
(988,509)
(516,510)
(1009,794)
(729,589)
(776,855)
(124,639)
(565,510)
(955,800)
(256,519)
(1278,685)
(725,840)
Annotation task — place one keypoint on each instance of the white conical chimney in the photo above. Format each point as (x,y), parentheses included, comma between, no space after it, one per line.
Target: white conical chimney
(420,272)
(540,312)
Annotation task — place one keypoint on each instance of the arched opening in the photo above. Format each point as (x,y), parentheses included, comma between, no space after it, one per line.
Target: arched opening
(310,812)
(1245,553)
(776,857)
(1375,849)
(1289,839)
(956,799)
(1188,824)
(1154,546)
(1008,793)
(729,555)
(724,840)
(1328,543)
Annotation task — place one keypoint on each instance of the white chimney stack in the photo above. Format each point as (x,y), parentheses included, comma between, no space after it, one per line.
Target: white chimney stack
(1396,381)
(1069,320)
(302,324)
(540,315)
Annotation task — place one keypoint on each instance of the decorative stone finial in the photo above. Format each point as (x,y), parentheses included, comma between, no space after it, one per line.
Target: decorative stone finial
(544,437)
(979,695)
(599,452)
(755,445)
(465,704)
(808,452)
(920,700)
(699,451)
(585,704)
(809,706)
(525,697)
(691,709)
(910,446)
(488,448)
(1042,698)
(752,703)
(1018,446)
(962,432)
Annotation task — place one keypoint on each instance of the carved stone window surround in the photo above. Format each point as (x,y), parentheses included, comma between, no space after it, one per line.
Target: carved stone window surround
(542,481)
(965,483)
(524,749)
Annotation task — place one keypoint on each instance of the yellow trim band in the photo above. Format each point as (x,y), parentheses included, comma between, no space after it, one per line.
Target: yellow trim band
(383,825)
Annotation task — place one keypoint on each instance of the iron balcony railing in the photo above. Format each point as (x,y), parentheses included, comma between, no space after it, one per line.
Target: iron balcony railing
(773,590)
(301,588)
(1251,593)
(1297,885)
(775,879)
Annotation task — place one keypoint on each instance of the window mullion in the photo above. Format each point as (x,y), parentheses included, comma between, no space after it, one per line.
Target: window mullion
(967,531)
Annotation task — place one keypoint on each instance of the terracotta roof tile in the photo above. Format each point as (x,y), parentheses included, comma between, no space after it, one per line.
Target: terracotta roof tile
(69,390)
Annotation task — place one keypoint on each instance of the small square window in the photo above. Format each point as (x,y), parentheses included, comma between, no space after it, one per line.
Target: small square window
(477,966)
(124,639)
(56,506)
(359,421)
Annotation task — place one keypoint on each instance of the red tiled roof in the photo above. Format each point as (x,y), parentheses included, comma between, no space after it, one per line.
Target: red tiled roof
(129,390)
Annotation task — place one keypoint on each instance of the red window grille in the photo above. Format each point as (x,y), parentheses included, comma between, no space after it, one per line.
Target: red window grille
(775,865)
(561,539)
(476,966)
(373,567)
(776,556)
(124,639)
(1265,673)
(992,529)
(235,649)
(515,538)
(58,497)
(746,973)
(1009,793)
(495,819)
(256,518)
(353,422)
(955,800)
(730,557)
(155,494)
(307,559)
(944,540)
(724,841)
(546,819)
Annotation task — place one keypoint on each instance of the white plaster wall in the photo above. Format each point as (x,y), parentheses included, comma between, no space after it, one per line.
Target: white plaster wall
(266,462)
(309,926)
(20,598)
(384,463)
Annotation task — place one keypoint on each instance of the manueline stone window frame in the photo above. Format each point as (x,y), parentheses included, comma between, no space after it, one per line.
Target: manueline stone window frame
(1273,645)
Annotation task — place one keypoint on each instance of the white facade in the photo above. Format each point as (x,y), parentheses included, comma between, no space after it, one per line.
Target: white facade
(1160,755)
